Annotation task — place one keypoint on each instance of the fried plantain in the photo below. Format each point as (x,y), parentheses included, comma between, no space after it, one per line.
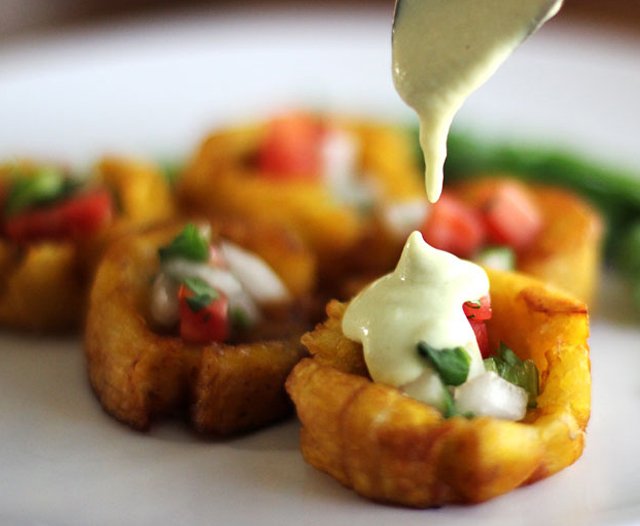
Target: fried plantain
(44,284)
(140,373)
(389,447)
(567,253)
(349,238)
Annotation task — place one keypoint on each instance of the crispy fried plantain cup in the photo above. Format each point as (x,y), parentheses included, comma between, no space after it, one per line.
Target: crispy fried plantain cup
(141,373)
(391,448)
(225,178)
(568,251)
(44,283)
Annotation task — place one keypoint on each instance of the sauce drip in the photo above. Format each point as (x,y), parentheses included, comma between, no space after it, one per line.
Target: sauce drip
(420,301)
(443,50)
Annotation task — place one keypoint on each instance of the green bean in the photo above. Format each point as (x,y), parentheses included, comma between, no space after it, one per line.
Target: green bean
(627,250)
(615,192)
(626,258)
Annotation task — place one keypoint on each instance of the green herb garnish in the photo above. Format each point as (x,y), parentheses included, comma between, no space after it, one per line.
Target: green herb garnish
(45,186)
(450,408)
(522,373)
(240,319)
(189,244)
(451,364)
(204,294)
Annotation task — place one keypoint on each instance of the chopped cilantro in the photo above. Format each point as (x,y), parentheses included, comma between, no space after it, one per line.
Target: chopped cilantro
(451,364)
(240,319)
(522,373)
(189,244)
(449,405)
(204,294)
(450,408)
(46,185)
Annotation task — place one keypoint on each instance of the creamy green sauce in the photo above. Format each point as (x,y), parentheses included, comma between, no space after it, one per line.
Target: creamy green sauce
(420,301)
(443,50)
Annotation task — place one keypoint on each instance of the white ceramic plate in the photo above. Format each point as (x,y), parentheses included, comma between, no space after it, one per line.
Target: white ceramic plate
(153,88)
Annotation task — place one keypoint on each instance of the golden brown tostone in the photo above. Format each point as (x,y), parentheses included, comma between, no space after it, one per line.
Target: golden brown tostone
(37,278)
(568,251)
(389,447)
(141,374)
(223,178)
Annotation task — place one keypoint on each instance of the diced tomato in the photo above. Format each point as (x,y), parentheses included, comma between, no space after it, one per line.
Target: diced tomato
(482,336)
(209,324)
(478,311)
(76,218)
(291,148)
(453,226)
(511,216)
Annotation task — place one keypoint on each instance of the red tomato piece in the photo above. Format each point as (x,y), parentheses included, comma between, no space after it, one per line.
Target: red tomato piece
(292,148)
(511,216)
(478,311)
(209,324)
(75,218)
(482,336)
(453,226)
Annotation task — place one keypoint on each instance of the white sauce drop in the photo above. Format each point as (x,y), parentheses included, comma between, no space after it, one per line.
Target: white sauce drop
(443,50)
(420,301)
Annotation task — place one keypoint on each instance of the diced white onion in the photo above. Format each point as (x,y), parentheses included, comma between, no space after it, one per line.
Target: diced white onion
(339,156)
(491,395)
(403,217)
(256,277)
(221,279)
(498,258)
(164,301)
(180,269)
(340,152)
(427,388)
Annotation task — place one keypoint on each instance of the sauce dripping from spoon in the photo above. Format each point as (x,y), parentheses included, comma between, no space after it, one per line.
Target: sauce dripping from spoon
(443,50)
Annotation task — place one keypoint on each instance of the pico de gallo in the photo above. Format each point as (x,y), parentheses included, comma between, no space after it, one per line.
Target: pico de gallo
(491,227)
(211,291)
(47,204)
(421,334)
(303,147)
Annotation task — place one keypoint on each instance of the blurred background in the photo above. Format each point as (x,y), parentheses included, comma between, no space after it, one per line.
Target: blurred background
(25,17)
(82,77)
